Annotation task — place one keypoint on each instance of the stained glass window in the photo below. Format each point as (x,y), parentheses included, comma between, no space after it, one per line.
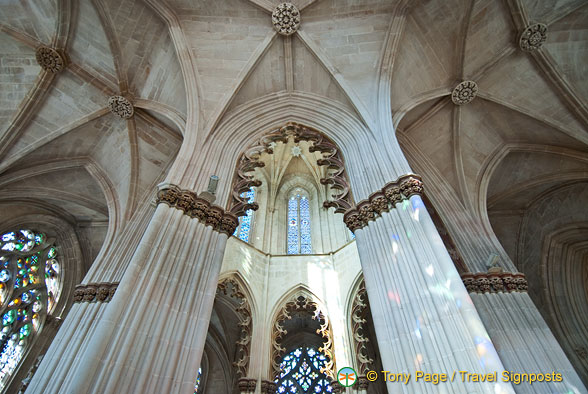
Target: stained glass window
(30,283)
(244,228)
(198,380)
(299,239)
(300,372)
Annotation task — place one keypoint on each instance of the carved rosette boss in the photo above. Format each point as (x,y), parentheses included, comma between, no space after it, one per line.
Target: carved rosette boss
(464,93)
(286,19)
(50,59)
(533,37)
(121,107)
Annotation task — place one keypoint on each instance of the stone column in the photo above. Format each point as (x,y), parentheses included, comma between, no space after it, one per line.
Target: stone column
(91,298)
(523,339)
(422,313)
(151,335)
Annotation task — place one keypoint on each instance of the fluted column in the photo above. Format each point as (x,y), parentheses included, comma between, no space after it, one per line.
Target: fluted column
(91,298)
(523,339)
(150,337)
(422,313)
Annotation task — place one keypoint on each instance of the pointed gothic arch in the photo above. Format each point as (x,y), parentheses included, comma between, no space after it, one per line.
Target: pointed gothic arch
(301,300)
(250,160)
(234,286)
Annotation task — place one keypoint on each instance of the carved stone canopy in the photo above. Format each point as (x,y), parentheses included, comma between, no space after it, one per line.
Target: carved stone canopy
(533,37)
(121,107)
(286,18)
(50,59)
(464,93)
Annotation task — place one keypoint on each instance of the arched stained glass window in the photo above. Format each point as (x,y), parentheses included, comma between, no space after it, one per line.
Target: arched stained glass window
(198,381)
(300,372)
(242,232)
(299,239)
(30,283)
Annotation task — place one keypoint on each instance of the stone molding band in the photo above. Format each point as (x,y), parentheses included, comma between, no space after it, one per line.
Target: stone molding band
(268,387)
(495,282)
(95,292)
(196,207)
(382,201)
(247,385)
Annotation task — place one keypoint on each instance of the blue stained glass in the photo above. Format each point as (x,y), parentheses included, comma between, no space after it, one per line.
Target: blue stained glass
(299,239)
(305,246)
(293,225)
(307,377)
(351,235)
(242,232)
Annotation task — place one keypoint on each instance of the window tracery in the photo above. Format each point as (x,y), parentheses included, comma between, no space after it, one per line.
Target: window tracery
(300,372)
(244,229)
(299,238)
(30,285)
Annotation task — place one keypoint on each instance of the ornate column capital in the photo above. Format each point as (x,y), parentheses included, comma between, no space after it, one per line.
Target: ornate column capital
(494,282)
(362,383)
(382,201)
(268,387)
(247,385)
(196,207)
(95,292)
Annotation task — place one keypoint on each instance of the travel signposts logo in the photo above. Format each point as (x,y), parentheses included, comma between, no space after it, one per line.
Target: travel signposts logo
(347,376)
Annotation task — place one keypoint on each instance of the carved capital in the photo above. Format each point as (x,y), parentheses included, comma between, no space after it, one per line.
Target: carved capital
(247,385)
(494,282)
(362,383)
(268,387)
(199,208)
(382,201)
(50,59)
(95,292)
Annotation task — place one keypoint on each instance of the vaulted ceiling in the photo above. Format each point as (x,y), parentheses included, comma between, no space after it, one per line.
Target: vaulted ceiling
(522,143)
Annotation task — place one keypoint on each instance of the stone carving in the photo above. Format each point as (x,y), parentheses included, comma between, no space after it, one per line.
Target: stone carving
(247,385)
(199,208)
(95,292)
(230,287)
(300,302)
(582,352)
(121,107)
(268,387)
(494,282)
(286,18)
(332,159)
(337,388)
(50,59)
(362,383)
(358,313)
(533,37)
(382,201)
(464,93)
